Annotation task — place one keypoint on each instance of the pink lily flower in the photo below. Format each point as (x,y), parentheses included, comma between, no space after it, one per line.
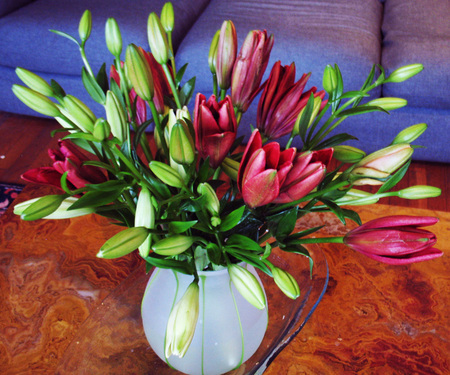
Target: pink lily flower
(215,128)
(395,240)
(68,158)
(249,68)
(282,100)
(269,175)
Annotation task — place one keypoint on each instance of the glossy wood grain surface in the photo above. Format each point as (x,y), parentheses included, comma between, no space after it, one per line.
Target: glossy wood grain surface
(64,311)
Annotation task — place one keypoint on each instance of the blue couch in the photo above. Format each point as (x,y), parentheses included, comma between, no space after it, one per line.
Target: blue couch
(354,34)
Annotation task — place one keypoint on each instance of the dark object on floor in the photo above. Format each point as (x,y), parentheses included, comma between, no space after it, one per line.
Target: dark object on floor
(8,193)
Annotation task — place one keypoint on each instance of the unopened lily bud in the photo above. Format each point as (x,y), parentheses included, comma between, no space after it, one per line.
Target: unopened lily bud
(157,39)
(404,73)
(181,146)
(36,101)
(212,203)
(145,217)
(226,54)
(329,80)
(173,245)
(34,82)
(387,159)
(183,113)
(355,197)
(79,113)
(166,174)
(419,192)
(212,56)
(139,73)
(368,176)
(230,167)
(182,322)
(102,130)
(316,109)
(167,17)
(388,104)
(62,212)
(116,116)
(247,285)
(348,154)
(410,134)
(113,37)
(286,282)
(85,26)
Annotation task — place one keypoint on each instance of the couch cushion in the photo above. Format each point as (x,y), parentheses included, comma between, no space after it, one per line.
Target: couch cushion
(7,6)
(27,42)
(311,33)
(418,32)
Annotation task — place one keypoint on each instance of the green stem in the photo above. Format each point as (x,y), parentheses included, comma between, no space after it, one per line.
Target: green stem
(238,117)
(85,61)
(172,60)
(302,241)
(223,93)
(158,128)
(172,85)
(215,89)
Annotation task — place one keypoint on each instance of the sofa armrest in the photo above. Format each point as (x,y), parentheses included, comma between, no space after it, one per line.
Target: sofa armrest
(7,6)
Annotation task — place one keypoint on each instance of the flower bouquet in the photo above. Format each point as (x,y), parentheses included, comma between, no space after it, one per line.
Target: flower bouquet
(192,196)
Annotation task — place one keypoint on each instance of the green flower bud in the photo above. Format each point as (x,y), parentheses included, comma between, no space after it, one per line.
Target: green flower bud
(212,202)
(181,146)
(286,282)
(166,174)
(212,56)
(355,197)
(123,243)
(315,111)
(329,80)
(102,130)
(182,323)
(388,104)
(113,37)
(173,245)
(62,212)
(419,192)
(167,17)
(183,113)
(348,154)
(404,73)
(368,176)
(157,39)
(139,73)
(116,116)
(85,26)
(230,167)
(34,82)
(36,101)
(247,285)
(410,134)
(145,217)
(79,113)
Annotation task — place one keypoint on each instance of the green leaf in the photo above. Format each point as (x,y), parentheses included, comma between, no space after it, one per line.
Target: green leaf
(243,243)
(352,94)
(232,219)
(249,258)
(57,89)
(299,249)
(65,35)
(96,198)
(111,185)
(366,84)
(305,118)
(123,243)
(102,78)
(214,253)
(180,74)
(303,233)
(176,265)
(335,209)
(287,223)
(186,91)
(42,207)
(339,88)
(86,136)
(181,226)
(352,215)
(395,179)
(92,87)
(361,110)
(335,140)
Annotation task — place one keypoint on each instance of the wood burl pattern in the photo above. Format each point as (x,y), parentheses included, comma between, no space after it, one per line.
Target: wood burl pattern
(64,311)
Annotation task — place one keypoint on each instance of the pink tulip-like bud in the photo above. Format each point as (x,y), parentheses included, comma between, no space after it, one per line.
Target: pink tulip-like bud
(282,100)
(249,68)
(215,128)
(395,240)
(269,175)
(226,54)
(68,158)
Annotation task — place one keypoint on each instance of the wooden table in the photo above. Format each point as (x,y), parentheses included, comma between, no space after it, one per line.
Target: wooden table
(373,319)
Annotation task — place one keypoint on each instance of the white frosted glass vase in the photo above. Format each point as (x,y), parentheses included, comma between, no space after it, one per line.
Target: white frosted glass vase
(229,329)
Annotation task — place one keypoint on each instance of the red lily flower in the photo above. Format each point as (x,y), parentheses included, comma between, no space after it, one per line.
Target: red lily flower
(395,239)
(249,68)
(282,100)
(68,158)
(215,128)
(268,175)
